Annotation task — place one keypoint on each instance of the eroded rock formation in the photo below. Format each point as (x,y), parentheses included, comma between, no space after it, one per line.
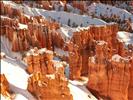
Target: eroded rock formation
(109,78)
(82,45)
(4,87)
(24,31)
(47,75)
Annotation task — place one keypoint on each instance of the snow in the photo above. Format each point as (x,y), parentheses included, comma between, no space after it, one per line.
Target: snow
(41,51)
(4,98)
(118,58)
(4,17)
(93,59)
(107,10)
(125,37)
(17,78)
(62,17)
(101,42)
(57,64)
(61,52)
(79,91)
(20,97)
(51,76)
(22,26)
(14,74)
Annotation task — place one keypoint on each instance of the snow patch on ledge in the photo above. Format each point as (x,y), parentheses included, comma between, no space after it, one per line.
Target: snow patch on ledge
(22,26)
(125,37)
(61,52)
(118,58)
(101,42)
(79,91)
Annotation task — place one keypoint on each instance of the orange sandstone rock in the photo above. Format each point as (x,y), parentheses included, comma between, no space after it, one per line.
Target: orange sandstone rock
(4,87)
(108,78)
(47,75)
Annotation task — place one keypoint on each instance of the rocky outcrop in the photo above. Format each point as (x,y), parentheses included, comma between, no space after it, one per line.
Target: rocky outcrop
(109,78)
(47,75)
(41,86)
(82,45)
(40,61)
(24,31)
(4,87)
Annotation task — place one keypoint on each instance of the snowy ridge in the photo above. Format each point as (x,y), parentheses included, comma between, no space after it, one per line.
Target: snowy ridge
(62,17)
(107,10)
(76,87)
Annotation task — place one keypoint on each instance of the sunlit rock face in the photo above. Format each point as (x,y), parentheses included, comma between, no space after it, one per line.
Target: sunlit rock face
(41,86)
(83,43)
(46,75)
(25,31)
(109,78)
(22,36)
(5,87)
(40,61)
